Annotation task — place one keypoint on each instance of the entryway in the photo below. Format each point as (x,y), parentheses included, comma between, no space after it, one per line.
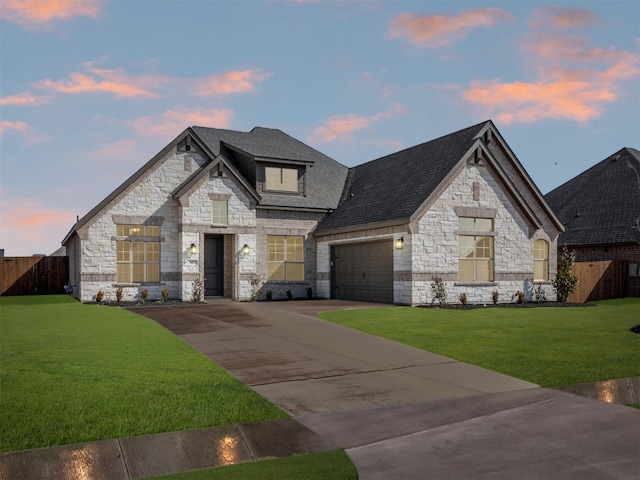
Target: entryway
(213,265)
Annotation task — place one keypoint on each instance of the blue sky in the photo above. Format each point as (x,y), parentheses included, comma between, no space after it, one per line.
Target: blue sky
(91,90)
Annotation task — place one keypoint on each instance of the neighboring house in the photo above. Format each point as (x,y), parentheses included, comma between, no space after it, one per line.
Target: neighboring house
(255,212)
(600,210)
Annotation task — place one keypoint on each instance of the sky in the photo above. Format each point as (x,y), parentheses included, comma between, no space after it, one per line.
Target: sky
(91,90)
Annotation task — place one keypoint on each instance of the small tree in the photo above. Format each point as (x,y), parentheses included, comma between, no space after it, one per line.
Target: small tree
(565,282)
(438,290)
(197,290)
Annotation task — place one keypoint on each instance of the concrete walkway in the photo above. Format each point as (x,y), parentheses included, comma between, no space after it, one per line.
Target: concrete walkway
(399,412)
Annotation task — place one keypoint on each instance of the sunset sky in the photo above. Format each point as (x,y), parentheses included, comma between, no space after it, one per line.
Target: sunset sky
(91,90)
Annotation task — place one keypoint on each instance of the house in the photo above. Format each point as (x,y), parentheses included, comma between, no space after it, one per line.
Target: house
(600,210)
(259,213)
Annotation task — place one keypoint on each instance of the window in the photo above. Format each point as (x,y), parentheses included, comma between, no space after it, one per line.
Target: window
(138,257)
(475,251)
(285,258)
(541,260)
(220,212)
(281,178)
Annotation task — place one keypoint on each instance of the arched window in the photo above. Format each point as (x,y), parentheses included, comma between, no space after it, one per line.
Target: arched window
(541,260)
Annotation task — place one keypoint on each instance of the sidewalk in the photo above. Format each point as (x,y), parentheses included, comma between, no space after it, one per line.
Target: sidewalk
(163,453)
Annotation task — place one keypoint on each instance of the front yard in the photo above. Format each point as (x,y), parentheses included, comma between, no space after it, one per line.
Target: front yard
(73,373)
(551,346)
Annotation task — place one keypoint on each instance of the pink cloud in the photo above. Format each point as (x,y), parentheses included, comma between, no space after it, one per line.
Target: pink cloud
(341,127)
(240,81)
(29,226)
(571,80)
(172,122)
(116,81)
(21,128)
(439,30)
(562,18)
(38,13)
(25,98)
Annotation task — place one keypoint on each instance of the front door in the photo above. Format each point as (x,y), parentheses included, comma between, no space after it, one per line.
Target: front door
(213,266)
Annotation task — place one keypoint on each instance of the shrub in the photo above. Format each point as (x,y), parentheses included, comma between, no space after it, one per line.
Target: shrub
(268,295)
(439,290)
(309,293)
(495,296)
(565,282)
(520,296)
(143,295)
(165,294)
(197,290)
(289,295)
(463,298)
(255,282)
(119,294)
(99,296)
(540,295)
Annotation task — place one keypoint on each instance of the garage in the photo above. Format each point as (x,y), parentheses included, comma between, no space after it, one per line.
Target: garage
(363,271)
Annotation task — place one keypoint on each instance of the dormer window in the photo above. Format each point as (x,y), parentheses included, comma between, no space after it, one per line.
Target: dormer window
(282,179)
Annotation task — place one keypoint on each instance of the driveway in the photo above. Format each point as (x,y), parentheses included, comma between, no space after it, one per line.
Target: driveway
(404,413)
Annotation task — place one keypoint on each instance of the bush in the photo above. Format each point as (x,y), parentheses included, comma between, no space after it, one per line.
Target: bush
(520,296)
(165,294)
(495,296)
(463,298)
(99,296)
(143,295)
(438,290)
(119,293)
(197,290)
(565,281)
(289,295)
(540,295)
(309,293)
(268,295)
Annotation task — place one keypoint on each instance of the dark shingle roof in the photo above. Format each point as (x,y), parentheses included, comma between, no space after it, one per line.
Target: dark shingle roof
(602,204)
(393,187)
(324,176)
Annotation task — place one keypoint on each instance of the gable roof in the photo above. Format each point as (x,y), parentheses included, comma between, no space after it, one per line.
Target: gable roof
(393,188)
(324,177)
(602,204)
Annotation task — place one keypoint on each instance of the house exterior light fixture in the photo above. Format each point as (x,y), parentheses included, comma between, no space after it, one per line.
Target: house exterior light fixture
(400,243)
(245,249)
(193,249)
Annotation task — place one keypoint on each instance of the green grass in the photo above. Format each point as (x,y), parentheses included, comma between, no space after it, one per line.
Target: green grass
(550,346)
(74,373)
(334,465)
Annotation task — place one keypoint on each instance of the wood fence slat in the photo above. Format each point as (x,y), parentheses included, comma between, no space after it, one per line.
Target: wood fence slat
(600,280)
(33,275)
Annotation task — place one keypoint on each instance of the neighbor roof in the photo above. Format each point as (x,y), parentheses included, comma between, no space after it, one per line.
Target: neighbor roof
(393,187)
(602,204)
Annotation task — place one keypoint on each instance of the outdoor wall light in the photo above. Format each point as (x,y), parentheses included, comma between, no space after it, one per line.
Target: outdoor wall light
(245,249)
(400,243)
(193,249)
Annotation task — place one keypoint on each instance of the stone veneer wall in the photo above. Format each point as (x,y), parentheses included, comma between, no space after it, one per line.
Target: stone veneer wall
(280,222)
(149,197)
(197,222)
(435,244)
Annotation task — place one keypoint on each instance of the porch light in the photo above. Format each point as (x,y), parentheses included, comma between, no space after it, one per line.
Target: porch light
(400,243)
(193,249)
(245,249)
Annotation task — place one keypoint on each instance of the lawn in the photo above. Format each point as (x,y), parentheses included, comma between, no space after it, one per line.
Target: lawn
(549,346)
(334,465)
(73,373)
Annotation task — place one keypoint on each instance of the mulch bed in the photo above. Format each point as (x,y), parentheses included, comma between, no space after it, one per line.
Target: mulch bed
(459,306)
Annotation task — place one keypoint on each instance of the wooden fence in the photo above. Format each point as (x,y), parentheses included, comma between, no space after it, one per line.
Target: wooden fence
(600,280)
(33,275)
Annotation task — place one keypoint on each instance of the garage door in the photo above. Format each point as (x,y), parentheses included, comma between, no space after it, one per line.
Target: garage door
(363,272)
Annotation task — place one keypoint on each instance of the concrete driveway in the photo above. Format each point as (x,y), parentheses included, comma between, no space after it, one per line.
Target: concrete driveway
(402,412)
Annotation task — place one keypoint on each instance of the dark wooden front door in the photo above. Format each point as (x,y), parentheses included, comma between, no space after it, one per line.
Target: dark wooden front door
(213,266)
